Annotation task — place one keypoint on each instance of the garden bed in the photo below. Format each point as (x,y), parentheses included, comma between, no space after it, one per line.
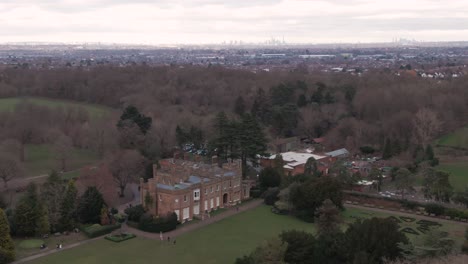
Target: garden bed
(120,238)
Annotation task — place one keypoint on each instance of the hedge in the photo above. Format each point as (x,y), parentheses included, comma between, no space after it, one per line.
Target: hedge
(434,209)
(98,230)
(120,238)
(159,224)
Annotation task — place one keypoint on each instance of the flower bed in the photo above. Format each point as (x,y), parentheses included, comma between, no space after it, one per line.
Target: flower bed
(120,238)
(410,230)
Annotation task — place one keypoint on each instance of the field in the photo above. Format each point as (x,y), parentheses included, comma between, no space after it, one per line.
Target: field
(458,139)
(459,174)
(221,242)
(40,159)
(94,111)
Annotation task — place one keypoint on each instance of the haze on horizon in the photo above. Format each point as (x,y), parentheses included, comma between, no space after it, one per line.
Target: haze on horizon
(211,21)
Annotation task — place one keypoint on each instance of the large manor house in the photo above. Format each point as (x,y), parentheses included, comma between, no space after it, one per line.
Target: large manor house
(193,189)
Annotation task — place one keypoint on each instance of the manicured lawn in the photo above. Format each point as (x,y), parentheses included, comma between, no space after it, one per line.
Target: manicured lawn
(459,174)
(95,111)
(457,138)
(27,247)
(221,242)
(40,159)
(455,230)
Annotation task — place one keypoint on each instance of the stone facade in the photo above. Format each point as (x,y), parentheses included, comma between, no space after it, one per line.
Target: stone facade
(191,189)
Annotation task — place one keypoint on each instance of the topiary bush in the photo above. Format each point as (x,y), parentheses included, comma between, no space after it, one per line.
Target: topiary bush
(271,196)
(120,238)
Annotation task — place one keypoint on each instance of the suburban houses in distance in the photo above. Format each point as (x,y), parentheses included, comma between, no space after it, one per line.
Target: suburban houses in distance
(191,189)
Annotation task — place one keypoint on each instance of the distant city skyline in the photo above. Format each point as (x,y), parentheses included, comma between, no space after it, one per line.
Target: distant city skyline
(213,22)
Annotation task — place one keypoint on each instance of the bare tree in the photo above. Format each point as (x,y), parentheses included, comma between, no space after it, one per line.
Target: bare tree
(126,166)
(426,125)
(10,168)
(11,146)
(63,147)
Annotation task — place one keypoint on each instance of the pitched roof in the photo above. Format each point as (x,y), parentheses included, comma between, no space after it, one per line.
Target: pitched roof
(337,152)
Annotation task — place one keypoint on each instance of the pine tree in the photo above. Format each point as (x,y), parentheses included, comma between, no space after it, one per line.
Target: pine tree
(52,193)
(239,107)
(90,205)
(429,153)
(252,141)
(42,224)
(27,212)
(7,247)
(387,150)
(68,207)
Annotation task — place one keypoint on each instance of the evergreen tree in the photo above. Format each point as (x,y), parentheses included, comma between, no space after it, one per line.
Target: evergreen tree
(28,212)
(329,98)
(52,193)
(311,167)
(387,150)
(328,218)
(239,106)
(68,208)
(7,247)
(89,206)
(429,153)
(132,114)
(42,224)
(378,238)
(300,246)
(252,141)
(301,100)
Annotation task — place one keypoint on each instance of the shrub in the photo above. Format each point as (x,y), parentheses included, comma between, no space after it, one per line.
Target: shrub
(407,219)
(465,247)
(409,204)
(119,218)
(120,238)
(367,149)
(114,211)
(428,223)
(97,230)
(149,223)
(410,230)
(434,209)
(255,193)
(271,196)
(134,213)
(454,213)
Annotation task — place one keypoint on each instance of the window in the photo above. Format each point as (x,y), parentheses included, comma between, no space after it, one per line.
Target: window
(211,188)
(217,188)
(176,200)
(196,194)
(206,191)
(230,183)
(185,198)
(160,198)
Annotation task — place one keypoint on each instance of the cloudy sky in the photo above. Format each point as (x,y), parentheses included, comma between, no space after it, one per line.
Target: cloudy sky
(212,21)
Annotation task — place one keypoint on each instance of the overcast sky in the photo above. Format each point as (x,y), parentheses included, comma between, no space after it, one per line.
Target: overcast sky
(212,21)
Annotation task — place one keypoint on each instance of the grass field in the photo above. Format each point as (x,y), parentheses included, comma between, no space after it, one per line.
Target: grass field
(40,159)
(459,174)
(94,111)
(221,242)
(458,138)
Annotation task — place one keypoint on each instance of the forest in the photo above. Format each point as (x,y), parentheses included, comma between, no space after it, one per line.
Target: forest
(349,111)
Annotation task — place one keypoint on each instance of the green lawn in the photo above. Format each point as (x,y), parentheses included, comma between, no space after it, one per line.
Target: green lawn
(459,174)
(95,111)
(458,138)
(221,242)
(455,230)
(40,159)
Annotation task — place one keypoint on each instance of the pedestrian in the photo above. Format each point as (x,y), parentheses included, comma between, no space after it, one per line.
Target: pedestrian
(168,239)
(237,208)
(174,241)
(161,236)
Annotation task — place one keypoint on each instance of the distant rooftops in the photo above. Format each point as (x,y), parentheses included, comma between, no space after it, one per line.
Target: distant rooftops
(338,153)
